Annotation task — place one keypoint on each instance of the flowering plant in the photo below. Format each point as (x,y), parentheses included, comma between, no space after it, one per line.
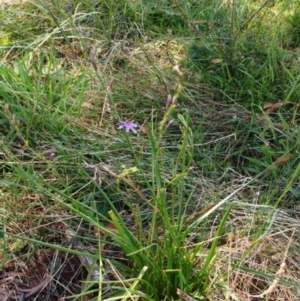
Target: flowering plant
(128,126)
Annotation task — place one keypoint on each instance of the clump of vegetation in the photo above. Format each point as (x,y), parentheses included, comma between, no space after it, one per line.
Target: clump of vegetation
(149,150)
(294,21)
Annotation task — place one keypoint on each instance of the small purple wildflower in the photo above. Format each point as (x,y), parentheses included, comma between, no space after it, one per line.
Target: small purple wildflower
(111,84)
(168,102)
(169,123)
(128,126)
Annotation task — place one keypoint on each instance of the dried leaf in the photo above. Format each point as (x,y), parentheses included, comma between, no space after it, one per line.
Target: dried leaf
(216,61)
(144,130)
(111,228)
(271,107)
(68,275)
(282,160)
(184,296)
(45,255)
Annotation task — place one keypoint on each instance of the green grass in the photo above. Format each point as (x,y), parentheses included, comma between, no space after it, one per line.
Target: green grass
(202,200)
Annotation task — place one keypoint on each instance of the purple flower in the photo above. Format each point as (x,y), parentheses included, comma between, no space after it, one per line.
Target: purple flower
(168,102)
(128,126)
(169,123)
(111,84)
